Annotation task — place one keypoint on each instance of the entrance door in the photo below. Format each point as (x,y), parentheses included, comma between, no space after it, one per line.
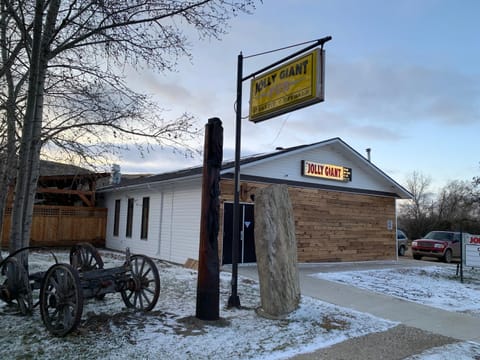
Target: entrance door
(246,247)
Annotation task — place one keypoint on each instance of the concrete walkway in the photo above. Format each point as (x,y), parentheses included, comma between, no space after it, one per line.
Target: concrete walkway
(455,325)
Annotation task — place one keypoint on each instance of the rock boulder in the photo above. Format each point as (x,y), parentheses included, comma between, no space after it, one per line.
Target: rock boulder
(276,251)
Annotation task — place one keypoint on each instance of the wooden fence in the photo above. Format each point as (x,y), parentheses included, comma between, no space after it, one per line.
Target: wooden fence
(63,225)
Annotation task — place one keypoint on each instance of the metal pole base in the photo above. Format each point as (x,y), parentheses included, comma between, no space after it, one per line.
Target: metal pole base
(233,301)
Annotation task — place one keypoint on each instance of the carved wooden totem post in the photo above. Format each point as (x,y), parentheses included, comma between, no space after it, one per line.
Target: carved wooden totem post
(208,292)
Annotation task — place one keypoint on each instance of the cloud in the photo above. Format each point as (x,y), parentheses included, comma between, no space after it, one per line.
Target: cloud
(369,91)
(376,133)
(167,91)
(158,159)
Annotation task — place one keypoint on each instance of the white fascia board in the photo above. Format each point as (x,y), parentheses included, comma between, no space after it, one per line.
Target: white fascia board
(151,184)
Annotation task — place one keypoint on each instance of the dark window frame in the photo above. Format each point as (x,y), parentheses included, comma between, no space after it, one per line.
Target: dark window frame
(116,217)
(129,225)
(145,216)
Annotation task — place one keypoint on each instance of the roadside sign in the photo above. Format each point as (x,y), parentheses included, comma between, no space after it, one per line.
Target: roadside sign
(290,86)
(472,251)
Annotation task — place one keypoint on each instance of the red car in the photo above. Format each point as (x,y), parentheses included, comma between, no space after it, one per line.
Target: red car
(443,245)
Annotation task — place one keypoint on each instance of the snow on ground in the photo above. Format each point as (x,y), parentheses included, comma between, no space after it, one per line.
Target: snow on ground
(436,286)
(457,351)
(110,331)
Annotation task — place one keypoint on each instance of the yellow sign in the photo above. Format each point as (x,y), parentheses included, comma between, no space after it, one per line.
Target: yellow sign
(326,171)
(291,86)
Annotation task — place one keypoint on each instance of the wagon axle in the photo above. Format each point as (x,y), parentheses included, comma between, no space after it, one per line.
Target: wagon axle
(134,284)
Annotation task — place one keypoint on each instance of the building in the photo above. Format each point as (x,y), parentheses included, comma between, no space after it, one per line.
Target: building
(344,206)
(65,211)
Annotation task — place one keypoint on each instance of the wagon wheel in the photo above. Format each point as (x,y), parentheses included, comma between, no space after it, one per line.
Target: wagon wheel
(61,299)
(16,287)
(85,257)
(143,287)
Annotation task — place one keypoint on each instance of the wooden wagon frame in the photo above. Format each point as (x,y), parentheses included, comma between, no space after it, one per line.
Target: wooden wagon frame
(63,287)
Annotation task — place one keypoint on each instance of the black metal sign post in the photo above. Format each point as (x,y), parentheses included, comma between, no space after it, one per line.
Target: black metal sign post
(234,299)
(462,255)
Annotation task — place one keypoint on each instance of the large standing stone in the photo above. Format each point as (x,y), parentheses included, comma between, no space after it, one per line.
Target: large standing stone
(276,250)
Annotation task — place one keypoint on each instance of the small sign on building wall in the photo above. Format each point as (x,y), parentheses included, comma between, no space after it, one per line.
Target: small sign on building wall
(326,171)
(389,224)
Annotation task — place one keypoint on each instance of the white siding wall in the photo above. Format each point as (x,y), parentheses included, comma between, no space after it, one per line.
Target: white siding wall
(288,167)
(174,221)
(137,245)
(180,228)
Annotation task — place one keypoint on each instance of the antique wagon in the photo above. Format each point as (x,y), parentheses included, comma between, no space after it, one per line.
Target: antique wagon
(63,287)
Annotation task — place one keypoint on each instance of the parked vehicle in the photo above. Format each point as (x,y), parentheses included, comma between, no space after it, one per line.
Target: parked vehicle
(444,245)
(402,242)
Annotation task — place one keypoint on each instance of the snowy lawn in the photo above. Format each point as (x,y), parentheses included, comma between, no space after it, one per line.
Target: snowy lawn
(111,331)
(436,286)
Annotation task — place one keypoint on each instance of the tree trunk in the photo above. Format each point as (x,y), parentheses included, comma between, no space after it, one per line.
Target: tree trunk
(8,155)
(29,155)
(8,159)
(22,179)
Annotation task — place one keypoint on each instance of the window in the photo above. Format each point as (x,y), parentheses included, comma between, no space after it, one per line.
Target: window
(145,211)
(128,232)
(116,218)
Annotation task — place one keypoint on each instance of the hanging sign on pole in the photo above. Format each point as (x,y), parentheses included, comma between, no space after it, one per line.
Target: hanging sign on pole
(290,86)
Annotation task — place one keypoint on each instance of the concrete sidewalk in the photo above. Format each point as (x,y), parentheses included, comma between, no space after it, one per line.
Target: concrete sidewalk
(450,324)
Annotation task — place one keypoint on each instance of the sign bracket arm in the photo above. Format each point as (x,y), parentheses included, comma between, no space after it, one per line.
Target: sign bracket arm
(301,51)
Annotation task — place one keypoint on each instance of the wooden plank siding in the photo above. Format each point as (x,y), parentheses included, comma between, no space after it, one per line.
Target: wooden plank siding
(336,226)
(331,225)
(63,226)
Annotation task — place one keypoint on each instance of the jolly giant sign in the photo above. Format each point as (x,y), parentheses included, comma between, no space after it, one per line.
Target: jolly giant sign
(290,86)
(326,171)
(472,250)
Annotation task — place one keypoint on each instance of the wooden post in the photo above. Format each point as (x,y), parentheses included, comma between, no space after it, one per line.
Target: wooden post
(208,284)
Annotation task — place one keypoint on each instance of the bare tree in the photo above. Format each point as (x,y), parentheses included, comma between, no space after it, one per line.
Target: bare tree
(95,117)
(454,205)
(12,80)
(70,51)
(416,214)
(476,189)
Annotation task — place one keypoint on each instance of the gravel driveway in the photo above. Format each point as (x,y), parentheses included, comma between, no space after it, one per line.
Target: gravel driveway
(399,342)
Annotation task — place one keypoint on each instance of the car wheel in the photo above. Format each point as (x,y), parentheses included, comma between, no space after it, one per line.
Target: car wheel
(417,257)
(448,256)
(401,251)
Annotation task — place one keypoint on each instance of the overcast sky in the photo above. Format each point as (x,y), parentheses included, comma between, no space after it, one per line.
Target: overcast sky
(401,78)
